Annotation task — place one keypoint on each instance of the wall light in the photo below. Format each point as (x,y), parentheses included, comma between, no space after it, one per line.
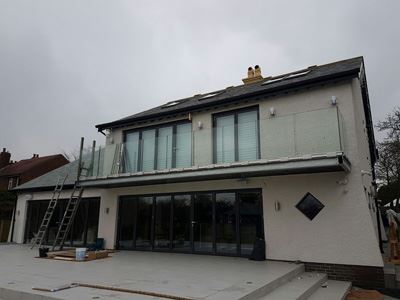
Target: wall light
(277,206)
(200,125)
(272,111)
(333,100)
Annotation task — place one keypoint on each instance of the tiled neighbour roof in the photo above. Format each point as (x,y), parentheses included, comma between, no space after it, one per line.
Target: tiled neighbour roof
(317,74)
(27,164)
(49,180)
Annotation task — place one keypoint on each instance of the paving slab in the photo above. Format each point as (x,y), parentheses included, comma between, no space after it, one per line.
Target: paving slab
(182,275)
(332,290)
(299,287)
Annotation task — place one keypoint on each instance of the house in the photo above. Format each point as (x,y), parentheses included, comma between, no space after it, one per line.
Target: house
(13,174)
(288,159)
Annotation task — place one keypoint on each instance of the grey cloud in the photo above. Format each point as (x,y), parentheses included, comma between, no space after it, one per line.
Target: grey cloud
(68,65)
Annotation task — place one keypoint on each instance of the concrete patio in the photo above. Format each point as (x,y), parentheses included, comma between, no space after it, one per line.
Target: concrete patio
(179,275)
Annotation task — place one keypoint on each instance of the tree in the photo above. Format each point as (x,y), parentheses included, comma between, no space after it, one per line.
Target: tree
(388,165)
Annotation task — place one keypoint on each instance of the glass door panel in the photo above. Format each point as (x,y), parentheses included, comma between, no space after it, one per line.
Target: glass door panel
(183,147)
(162,224)
(251,220)
(225,214)
(55,222)
(248,135)
(79,225)
(143,222)
(92,220)
(182,222)
(126,222)
(202,224)
(131,155)
(148,149)
(225,139)
(164,148)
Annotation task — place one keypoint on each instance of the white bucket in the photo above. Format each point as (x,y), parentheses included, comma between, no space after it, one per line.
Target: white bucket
(80,254)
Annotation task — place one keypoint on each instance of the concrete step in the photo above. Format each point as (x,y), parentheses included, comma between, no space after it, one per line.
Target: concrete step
(266,287)
(298,288)
(332,290)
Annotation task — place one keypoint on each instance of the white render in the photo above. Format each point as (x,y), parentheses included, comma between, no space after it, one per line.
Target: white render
(344,232)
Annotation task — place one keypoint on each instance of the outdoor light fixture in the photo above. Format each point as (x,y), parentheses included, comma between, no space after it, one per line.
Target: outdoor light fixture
(272,111)
(277,206)
(333,100)
(107,210)
(200,125)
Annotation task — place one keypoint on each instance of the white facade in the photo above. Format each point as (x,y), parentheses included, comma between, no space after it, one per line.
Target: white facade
(344,232)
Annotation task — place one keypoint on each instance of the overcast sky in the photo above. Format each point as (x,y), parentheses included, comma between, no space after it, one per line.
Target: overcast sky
(66,66)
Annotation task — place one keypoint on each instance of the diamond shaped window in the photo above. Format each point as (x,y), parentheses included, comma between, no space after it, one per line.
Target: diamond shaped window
(310,206)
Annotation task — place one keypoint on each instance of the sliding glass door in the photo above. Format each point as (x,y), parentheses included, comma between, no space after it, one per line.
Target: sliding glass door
(158,148)
(236,136)
(203,226)
(223,223)
(182,222)
(84,228)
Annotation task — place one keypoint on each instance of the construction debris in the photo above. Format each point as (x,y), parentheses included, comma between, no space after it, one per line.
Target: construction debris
(70,255)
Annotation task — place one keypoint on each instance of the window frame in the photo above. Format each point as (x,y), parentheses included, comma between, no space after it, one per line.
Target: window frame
(156,128)
(235,113)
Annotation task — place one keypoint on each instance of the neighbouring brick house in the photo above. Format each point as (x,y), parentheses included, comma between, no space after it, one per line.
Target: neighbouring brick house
(13,174)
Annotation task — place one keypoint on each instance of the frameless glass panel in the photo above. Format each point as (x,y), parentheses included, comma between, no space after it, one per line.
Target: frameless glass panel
(248,135)
(203,223)
(143,222)
(251,220)
(131,155)
(164,148)
(126,222)
(182,224)
(225,214)
(183,148)
(92,220)
(225,139)
(148,149)
(162,222)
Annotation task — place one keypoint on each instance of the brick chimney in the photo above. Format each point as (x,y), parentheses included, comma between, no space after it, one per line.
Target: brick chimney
(4,158)
(253,75)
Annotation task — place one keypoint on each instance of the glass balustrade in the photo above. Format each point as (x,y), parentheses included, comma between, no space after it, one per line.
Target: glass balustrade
(316,132)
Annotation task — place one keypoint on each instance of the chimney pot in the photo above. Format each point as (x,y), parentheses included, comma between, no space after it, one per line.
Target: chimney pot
(253,75)
(257,70)
(250,72)
(4,149)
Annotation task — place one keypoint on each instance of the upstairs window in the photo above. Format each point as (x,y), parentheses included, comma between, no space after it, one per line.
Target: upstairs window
(13,182)
(158,148)
(236,136)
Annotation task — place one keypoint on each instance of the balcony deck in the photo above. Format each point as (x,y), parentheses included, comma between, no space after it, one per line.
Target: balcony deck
(306,142)
(331,162)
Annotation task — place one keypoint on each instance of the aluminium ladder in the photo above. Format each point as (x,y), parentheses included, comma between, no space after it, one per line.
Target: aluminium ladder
(38,240)
(68,218)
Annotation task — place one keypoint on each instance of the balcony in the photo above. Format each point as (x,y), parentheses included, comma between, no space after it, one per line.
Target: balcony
(306,142)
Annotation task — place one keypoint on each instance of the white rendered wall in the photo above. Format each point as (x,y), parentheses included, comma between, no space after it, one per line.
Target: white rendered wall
(342,233)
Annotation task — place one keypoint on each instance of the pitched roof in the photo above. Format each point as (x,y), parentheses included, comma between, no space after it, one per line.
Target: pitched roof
(49,180)
(313,74)
(25,165)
